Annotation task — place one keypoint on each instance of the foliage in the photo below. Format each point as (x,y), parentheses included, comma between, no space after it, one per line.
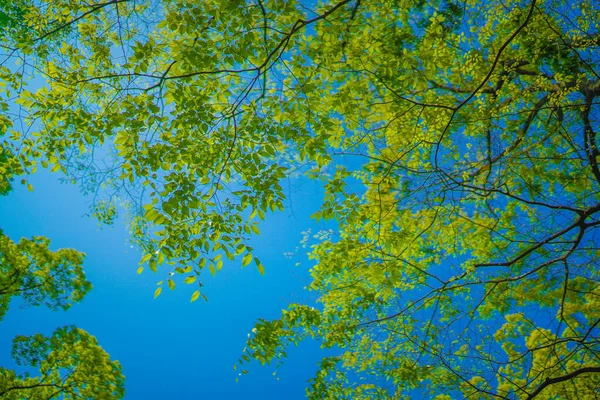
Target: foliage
(456,142)
(30,270)
(71,365)
(466,263)
(7,163)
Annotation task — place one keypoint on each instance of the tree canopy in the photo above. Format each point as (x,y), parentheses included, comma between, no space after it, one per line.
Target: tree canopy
(71,365)
(28,269)
(455,142)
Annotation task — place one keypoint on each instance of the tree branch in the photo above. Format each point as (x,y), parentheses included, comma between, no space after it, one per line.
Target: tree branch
(558,379)
(591,149)
(93,9)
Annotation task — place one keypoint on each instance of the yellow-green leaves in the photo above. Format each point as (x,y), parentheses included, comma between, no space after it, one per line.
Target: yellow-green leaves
(189,167)
(259,266)
(30,270)
(158,291)
(455,143)
(247,259)
(200,144)
(70,361)
(456,203)
(145,258)
(153,264)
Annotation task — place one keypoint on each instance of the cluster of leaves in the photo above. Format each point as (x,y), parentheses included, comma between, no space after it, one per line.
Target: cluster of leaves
(71,365)
(30,270)
(459,140)
(188,151)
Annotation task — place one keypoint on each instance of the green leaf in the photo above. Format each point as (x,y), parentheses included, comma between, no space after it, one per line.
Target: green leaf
(195,296)
(171,284)
(190,279)
(260,267)
(246,260)
(151,214)
(240,249)
(157,292)
(152,265)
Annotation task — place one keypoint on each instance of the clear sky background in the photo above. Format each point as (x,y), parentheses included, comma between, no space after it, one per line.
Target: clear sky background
(168,347)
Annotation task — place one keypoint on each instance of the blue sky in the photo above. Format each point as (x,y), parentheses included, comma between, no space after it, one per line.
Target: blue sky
(169,348)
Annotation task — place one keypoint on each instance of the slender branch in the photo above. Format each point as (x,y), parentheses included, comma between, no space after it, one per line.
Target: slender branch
(487,77)
(279,48)
(27,387)
(558,379)
(93,9)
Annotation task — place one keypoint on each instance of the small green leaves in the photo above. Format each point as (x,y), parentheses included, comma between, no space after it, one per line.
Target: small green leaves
(140,270)
(105,212)
(157,292)
(55,279)
(458,133)
(91,373)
